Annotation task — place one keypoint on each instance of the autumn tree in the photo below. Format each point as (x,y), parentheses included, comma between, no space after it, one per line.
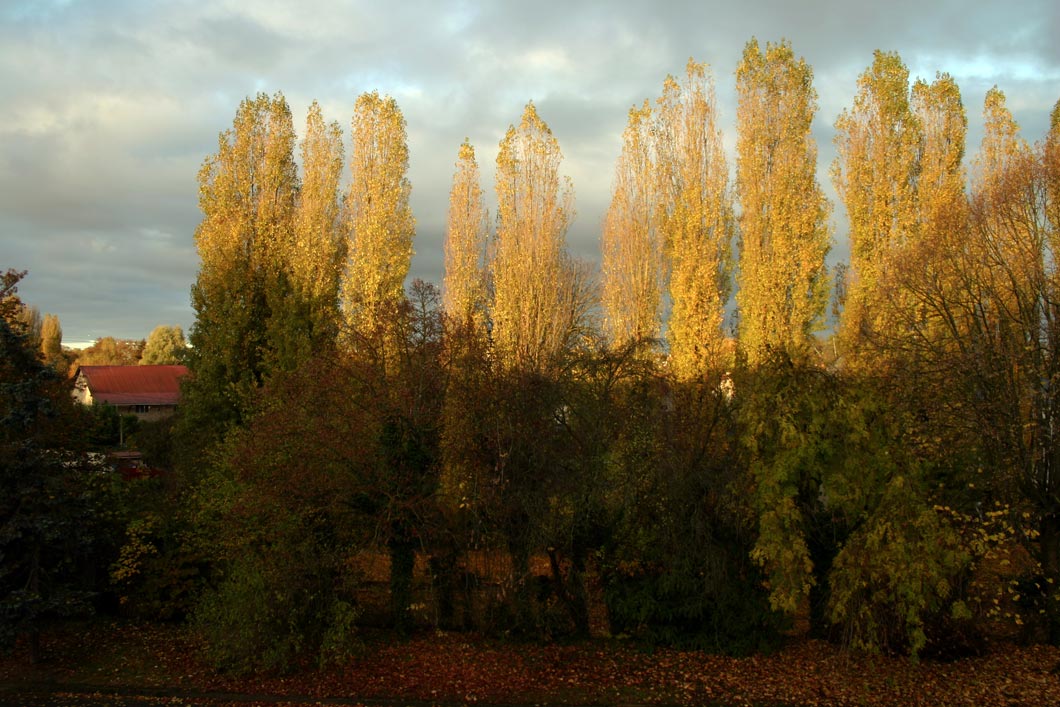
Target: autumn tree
(465,300)
(875,174)
(52,342)
(1000,354)
(696,220)
(165,346)
(248,194)
(316,260)
(941,184)
(539,293)
(464,296)
(784,236)
(381,225)
(30,317)
(632,265)
(109,351)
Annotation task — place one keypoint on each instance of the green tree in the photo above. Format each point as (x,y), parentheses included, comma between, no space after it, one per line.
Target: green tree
(341,456)
(165,346)
(247,194)
(44,513)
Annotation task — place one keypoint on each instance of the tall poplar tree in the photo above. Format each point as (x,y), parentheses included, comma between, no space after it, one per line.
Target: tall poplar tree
(537,289)
(248,193)
(316,259)
(51,336)
(632,253)
(875,174)
(696,220)
(784,235)
(381,225)
(464,296)
(928,270)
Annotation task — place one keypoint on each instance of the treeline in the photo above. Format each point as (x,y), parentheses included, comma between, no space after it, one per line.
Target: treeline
(165,345)
(892,483)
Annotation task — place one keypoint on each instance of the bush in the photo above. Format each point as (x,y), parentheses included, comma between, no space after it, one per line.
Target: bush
(275,607)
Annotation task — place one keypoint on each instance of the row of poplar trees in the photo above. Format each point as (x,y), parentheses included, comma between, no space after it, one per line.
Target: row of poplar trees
(685,485)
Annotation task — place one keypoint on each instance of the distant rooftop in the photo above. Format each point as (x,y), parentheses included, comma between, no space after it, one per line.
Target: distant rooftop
(134,385)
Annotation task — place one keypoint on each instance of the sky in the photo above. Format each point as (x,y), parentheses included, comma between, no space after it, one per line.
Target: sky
(109,107)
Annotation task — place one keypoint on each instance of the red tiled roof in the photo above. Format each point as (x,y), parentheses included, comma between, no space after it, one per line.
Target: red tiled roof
(135,385)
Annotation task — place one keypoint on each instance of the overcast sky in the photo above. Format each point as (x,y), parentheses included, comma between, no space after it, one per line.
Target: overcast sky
(108,107)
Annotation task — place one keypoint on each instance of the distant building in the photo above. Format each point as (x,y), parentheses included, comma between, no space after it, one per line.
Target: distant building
(149,392)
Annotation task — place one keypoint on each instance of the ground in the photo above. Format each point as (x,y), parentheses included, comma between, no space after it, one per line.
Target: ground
(118,663)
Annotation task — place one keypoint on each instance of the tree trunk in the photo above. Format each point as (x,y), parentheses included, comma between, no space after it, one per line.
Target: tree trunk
(402,563)
(35,655)
(1049,556)
(571,590)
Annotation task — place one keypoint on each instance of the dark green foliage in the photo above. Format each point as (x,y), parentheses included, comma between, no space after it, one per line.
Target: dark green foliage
(109,429)
(45,497)
(338,457)
(275,604)
(678,568)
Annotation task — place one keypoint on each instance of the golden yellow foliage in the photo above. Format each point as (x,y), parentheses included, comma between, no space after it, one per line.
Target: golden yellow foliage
(875,175)
(784,235)
(632,253)
(695,219)
(464,297)
(381,225)
(318,248)
(538,292)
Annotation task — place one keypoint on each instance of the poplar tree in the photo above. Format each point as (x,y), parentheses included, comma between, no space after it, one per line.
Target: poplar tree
(696,220)
(52,341)
(537,291)
(632,253)
(247,193)
(875,174)
(316,259)
(1001,146)
(464,297)
(381,225)
(784,235)
(929,271)
(940,187)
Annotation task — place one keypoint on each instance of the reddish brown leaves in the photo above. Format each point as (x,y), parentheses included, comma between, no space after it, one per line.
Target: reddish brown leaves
(460,668)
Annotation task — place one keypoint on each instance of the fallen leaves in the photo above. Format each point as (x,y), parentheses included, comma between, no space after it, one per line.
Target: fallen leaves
(463,668)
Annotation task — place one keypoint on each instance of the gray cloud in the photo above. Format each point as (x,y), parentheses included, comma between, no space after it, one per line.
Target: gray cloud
(110,106)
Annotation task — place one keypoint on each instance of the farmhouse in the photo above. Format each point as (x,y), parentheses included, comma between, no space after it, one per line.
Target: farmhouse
(149,392)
